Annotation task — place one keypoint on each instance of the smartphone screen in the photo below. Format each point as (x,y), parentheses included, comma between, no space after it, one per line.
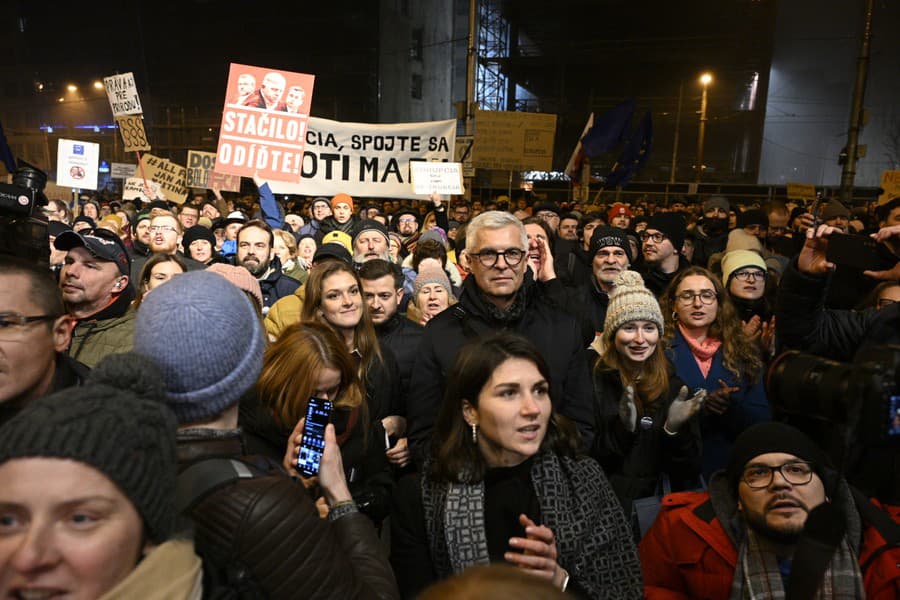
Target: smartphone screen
(894,416)
(312,445)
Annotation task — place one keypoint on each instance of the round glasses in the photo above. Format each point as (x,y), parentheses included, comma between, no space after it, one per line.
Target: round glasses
(749,274)
(488,258)
(795,473)
(706,296)
(657,237)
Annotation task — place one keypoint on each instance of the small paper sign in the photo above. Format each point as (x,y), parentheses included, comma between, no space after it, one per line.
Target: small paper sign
(436,177)
(122,93)
(76,164)
(121,170)
(134,188)
(133,134)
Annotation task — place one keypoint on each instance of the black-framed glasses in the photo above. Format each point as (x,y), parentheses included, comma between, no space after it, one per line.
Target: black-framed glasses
(796,472)
(706,296)
(747,274)
(488,258)
(657,237)
(11,323)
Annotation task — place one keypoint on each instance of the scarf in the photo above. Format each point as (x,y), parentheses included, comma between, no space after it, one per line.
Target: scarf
(757,576)
(169,572)
(703,351)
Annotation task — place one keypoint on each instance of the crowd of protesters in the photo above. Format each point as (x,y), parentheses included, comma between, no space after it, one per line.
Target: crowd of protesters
(528,399)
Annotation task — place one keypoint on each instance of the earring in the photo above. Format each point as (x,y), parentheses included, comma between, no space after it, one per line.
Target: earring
(674,316)
(474,433)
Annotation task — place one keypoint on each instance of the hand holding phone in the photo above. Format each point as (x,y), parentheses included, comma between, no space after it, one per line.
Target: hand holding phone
(312,442)
(331,480)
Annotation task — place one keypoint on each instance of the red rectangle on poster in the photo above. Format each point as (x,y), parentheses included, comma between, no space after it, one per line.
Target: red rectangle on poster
(264,123)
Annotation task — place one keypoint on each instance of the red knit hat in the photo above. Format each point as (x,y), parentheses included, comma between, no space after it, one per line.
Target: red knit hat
(618,209)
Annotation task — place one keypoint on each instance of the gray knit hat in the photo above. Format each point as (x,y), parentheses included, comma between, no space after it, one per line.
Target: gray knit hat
(207,340)
(630,301)
(116,423)
(432,276)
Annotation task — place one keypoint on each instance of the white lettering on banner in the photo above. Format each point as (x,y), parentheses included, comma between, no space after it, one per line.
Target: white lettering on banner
(361,159)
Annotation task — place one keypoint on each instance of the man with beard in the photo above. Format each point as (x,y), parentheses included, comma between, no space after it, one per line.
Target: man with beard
(778,522)
(165,238)
(406,223)
(611,254)
(256,253)
(712,232)
(140,242)
(662,242)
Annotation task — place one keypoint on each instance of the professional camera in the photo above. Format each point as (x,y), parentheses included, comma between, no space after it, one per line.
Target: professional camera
(852,410)
(23,227)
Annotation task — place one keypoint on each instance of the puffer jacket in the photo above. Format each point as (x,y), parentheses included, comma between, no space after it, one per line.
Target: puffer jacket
(109,331)
(262,537)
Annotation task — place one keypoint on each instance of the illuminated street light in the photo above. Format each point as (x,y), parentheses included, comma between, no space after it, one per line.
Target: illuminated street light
(705,80)
(98,85)
(72,87)
(60,99)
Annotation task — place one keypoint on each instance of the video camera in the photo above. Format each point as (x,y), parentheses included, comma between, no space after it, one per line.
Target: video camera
(850,409)
(23,227)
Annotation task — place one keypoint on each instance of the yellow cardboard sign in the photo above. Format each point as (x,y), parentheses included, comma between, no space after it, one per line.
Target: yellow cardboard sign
(513,141)
(801,191)
(890,183)
(133,134)
(169,176)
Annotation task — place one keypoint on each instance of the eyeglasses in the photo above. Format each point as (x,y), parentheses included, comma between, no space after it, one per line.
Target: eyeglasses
(706,296)
(488,258)
(748,274)
(406,220)
(12,323)
(795,473)
(162,228)
(547,215)
(656,237)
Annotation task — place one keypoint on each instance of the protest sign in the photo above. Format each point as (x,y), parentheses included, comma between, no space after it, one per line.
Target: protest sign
(801,191)
(123,96)
(76,164)
(436,177)
(168,175)
(201,173)
(890,183)
(513,141)
(133,134)
(134,188)
(363,159)
(463,154)
(264,123)
(121,170)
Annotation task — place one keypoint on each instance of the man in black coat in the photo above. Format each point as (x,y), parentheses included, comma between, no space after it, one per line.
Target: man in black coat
(500,294)
(256,253)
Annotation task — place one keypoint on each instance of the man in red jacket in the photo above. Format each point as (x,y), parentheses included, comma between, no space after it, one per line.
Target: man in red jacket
(777,520)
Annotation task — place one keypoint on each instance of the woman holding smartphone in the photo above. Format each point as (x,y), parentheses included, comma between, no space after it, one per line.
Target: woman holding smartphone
(503,484)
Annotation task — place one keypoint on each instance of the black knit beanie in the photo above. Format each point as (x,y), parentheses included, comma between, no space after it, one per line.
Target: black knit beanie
(672,225)
(115,423)
(604,236)
(764,438)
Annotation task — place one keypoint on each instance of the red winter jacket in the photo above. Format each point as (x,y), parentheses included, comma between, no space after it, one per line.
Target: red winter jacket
(687,554)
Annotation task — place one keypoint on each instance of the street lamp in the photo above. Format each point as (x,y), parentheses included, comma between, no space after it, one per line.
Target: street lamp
(705,80)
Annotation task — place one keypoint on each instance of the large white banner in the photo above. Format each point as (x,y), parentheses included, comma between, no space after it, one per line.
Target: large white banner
(368,160)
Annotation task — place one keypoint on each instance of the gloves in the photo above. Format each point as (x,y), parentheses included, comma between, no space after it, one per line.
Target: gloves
(627,409)
(683,408)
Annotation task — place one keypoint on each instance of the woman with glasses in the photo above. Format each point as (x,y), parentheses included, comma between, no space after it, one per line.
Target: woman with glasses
(745,275)
(504,484)
(706,343)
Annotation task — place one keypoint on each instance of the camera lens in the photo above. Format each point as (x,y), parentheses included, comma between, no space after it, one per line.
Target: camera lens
(31,178)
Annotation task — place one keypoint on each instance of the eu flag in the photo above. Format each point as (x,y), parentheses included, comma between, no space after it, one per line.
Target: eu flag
(609,130)
(634,155)
(6,155)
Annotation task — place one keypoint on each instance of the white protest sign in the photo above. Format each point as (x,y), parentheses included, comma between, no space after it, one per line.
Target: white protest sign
(121,170)
(134,188)
(436,177)
(123,96)
(364,159)
(76,164)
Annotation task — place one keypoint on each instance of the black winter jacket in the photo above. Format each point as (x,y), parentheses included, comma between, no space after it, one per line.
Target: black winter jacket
(276,285)
(402,337)
(556,334)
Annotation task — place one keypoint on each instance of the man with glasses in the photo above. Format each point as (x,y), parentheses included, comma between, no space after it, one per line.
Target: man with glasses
(319,210)
(661,244)
(549,213)
(500,294)
(166,233)
(34,334)
(778,520)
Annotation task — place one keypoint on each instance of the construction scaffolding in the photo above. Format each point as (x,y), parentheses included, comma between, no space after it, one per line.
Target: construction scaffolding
(491,84)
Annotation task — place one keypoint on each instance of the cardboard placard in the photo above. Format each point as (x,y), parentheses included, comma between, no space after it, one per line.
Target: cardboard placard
(513,141)
(131,127)
(801,191)
(890,183)
(76,164)
(123,96)
(367,159)
(168,175)
(201,173)
(263,131)
(436,177)
(121,170)
(463,154)
(134,188)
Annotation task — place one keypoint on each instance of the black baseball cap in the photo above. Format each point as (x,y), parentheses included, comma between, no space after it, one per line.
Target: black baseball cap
(101,243)
(332,250)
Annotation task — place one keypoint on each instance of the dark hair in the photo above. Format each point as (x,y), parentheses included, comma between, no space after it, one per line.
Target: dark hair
(259,224)
(43,291)
(569,217)
(378,268)
(146,270)
(545,227)
(188,205)
(883,211)
(455,458)
(429,249)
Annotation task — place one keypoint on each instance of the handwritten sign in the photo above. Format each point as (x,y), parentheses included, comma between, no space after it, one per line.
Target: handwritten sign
(264,123)
(801,191)
(890,183)
(121,170)
(431,177)
(76,164)
(513,141)
(134,189)
(168,175)
(131,127)
(201,173)
(123,96)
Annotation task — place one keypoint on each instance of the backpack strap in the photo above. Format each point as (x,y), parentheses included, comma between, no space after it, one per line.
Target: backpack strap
(206,476)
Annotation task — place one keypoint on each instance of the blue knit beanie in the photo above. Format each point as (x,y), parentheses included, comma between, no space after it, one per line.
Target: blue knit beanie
(205,337)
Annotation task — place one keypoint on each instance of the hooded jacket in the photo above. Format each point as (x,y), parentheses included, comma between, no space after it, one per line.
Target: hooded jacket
(109,331)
